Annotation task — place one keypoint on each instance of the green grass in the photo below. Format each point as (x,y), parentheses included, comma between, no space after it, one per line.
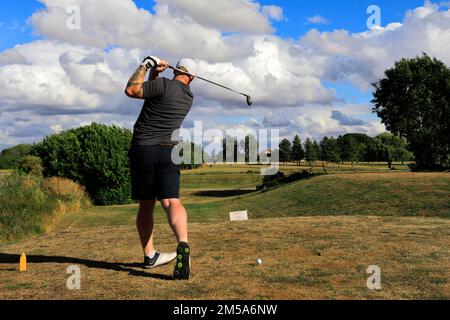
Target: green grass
(388,194)
(293,167)
(219,180)
(402,194)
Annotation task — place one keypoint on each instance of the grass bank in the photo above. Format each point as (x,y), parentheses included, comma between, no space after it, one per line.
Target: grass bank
(29,204)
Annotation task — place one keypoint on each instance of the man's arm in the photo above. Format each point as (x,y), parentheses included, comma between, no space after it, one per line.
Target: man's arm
(134,87)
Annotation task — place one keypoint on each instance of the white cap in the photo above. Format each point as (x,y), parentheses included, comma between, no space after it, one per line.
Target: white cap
(189,64)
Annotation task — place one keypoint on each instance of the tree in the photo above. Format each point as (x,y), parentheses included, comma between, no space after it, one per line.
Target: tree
(349,149)
(329,150)
(192,163)
(392,148)
(245,146)
(297,150)
(230,151)
(311,151)
(285,151)
(413,101)
(316,150)
(362,142)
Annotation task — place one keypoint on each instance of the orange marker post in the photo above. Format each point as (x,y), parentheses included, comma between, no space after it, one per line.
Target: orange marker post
(23,263)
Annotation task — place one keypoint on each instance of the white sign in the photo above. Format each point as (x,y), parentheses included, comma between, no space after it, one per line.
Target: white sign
(239,216)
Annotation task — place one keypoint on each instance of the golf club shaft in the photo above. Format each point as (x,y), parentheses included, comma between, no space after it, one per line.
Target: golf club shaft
(206,80)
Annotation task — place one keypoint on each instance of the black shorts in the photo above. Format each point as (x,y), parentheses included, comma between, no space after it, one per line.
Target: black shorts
(153,173)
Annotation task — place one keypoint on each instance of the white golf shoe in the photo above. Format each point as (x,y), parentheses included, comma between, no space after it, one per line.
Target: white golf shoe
(159,259)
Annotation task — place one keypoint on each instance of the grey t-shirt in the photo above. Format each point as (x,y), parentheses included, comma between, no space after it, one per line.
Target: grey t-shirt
(167,103)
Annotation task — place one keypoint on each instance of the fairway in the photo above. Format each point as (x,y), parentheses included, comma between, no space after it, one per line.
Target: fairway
(316,238)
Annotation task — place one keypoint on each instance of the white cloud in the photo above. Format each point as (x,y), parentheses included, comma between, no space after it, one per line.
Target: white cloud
(274,12)
(176,26)
(56,128)
(318,20)
(227,15)
(362,58)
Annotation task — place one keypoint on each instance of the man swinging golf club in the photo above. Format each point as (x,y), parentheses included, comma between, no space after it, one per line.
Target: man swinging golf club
(154,176)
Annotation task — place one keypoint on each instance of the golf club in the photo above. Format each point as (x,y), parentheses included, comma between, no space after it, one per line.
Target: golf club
(249,98)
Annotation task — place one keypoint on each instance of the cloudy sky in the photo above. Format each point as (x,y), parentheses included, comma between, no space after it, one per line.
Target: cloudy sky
(308,65)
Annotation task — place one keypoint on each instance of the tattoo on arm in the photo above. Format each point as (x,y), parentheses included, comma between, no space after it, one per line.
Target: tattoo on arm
(135,83)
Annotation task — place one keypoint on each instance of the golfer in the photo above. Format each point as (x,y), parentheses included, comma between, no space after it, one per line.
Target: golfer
(154,176)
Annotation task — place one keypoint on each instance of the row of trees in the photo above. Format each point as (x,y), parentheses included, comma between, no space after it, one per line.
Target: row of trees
(413,102)
(353,147)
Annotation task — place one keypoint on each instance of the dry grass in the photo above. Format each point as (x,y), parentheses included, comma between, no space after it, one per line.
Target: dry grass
(31,204)
(413,254)
(4,172)
(64,188)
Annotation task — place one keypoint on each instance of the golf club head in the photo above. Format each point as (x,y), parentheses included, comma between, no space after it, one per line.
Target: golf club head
(249,101)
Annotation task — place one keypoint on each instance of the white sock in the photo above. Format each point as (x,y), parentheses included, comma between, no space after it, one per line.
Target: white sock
(151,255)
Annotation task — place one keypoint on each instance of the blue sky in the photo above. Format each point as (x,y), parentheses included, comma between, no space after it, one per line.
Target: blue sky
(307,106)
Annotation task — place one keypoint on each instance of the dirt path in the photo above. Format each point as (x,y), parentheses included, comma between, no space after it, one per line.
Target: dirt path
(303,258)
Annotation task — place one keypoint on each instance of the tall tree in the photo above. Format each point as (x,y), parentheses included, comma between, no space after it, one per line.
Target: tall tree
(349,149)
(316,150)
(311,152)
(250,145)
(413,101)
(329,150)
(392,148)
(297,150)
(285,150)
(230,149)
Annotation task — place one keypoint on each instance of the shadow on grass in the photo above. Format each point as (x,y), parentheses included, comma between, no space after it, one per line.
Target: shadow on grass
(222,193)
(6,258)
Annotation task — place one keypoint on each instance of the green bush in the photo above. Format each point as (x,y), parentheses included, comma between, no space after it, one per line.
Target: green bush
(95,156)
(30,165)
(29,204)
(274,181)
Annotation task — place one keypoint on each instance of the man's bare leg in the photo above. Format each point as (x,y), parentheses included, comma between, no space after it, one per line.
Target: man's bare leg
(145,224)
(177,216)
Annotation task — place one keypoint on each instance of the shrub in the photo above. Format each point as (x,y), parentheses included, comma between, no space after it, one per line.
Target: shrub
(30,165)
(29,204)
(95,156)
(274,181)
